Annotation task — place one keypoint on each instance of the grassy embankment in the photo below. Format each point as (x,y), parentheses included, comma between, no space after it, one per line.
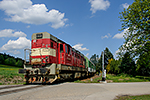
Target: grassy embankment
(119,78)
(9,75)
(138,97)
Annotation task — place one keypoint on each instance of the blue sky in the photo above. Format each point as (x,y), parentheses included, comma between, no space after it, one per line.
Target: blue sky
(88,25)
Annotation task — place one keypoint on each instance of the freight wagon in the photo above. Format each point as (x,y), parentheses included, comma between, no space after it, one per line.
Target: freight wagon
(51,58)
(91,68)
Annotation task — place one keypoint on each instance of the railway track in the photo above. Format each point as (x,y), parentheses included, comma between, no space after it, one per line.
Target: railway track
(16,88)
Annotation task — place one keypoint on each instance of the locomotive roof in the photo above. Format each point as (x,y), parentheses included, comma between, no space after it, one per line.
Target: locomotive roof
(44,35)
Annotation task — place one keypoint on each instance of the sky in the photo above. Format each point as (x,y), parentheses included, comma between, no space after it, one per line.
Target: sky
(87,25)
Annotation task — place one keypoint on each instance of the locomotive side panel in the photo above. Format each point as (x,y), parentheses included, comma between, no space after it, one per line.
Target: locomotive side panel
(61,53)
(68,55)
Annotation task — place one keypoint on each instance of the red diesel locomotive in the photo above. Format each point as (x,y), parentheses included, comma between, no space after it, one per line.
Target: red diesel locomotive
(52,59)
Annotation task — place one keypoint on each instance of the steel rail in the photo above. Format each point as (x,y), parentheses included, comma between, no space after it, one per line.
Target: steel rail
(17,90)
(13,86)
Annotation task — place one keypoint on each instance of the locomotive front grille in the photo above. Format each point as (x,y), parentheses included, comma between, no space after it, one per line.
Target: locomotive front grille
(36,61)
(43,51)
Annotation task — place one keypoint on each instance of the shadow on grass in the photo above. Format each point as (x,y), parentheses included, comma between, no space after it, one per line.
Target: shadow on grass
(143,77)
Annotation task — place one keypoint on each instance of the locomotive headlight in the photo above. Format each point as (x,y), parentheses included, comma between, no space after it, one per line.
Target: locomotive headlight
(48,71)
(57,71)
(36,71)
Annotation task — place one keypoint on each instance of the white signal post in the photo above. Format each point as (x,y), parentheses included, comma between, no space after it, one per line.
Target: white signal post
(103,71)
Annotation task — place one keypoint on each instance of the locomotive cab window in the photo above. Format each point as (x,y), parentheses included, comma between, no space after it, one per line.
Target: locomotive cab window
(52,45)
(61,48)
(66,48)
(39,36)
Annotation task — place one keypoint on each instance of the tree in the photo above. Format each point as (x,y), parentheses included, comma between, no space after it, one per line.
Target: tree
(99,64)
(5,56)
(136,18)
(107,55)
(94,59)
(108,66)
(127,65)
(10,61)
(1,59)
(143,63)
(114,66)
(19,63)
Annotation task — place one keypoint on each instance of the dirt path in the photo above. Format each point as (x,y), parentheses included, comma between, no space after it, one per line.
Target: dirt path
(93,77)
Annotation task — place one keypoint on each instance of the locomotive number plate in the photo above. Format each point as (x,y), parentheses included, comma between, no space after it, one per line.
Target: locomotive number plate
(39,36)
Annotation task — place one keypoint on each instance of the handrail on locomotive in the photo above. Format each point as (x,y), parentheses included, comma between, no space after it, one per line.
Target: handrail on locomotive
(25,58)
(27,61)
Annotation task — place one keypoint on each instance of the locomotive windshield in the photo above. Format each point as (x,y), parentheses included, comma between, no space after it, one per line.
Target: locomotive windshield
(39,36)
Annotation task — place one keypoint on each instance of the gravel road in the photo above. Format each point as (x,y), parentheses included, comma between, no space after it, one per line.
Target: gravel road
(80,91)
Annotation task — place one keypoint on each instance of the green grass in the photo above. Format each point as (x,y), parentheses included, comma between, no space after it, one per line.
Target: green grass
(138,97)
(127,78)
(10,75)
(118,78)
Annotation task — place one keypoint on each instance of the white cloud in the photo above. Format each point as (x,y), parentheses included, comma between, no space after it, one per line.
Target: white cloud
(116,53)
(14,52)
(87,55)
(24,11)
(68,25)
(92,16)
(79,47)
(120,35)
(125,5)
(11,33)
(28,26)
(106,36)
(13,45)
(99,5)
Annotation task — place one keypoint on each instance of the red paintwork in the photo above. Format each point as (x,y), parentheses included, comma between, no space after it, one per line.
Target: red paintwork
(65,58)
(74,61)
(44,43)
(61,55)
